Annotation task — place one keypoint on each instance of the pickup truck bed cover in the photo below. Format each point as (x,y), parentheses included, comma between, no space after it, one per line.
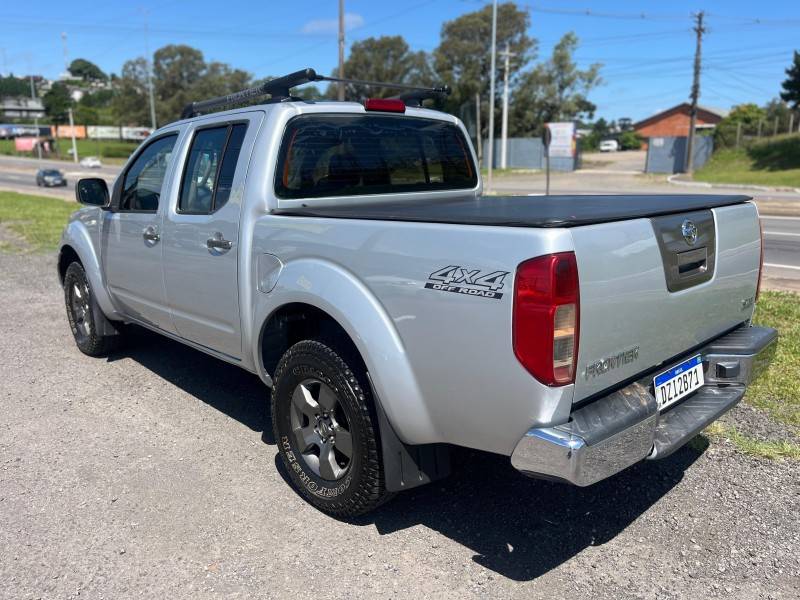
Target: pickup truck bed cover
(524,211)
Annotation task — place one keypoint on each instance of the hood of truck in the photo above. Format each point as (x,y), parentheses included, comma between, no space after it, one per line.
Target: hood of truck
(634,316)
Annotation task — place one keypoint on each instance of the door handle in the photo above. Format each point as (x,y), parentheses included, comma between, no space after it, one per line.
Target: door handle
(217,242)
(151,235)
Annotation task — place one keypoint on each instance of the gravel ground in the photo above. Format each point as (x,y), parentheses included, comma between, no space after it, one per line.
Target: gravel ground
(150,475)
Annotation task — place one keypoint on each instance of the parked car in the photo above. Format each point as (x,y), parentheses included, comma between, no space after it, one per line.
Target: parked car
(91,162)
(609,146)
(344,253)
(50,178)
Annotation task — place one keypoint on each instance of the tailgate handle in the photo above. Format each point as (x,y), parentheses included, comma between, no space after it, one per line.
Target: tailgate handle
(692,262)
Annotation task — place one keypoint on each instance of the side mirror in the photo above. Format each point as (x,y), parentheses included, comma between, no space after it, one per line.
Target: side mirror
(92,191)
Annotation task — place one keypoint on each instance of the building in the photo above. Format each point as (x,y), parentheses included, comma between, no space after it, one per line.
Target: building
(20,107)
(674,122)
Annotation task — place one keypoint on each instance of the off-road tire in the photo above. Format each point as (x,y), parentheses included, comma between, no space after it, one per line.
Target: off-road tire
(81,319)
(361,487)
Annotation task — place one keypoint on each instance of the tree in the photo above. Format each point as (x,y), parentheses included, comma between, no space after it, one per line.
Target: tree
(88,71)
(747,114)
(177,69)
(130,104)
(463,57)
(791,87)
(14,86)
(386,58)
(57,102)
(742,122)
(555,90)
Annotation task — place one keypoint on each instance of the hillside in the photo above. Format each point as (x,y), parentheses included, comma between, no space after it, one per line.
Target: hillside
(774,162)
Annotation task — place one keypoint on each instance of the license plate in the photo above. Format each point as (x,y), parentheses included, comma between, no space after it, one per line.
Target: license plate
(670,386)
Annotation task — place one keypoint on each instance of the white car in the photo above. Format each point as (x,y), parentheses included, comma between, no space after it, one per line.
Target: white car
(91,162)
(609,146)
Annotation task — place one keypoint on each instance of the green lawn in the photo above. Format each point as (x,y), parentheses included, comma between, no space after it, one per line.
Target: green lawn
(778,390)
(116,151)
(774,163)
(37,219)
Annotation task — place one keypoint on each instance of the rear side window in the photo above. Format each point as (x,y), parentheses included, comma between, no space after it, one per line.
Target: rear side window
(347,155)
(210,167)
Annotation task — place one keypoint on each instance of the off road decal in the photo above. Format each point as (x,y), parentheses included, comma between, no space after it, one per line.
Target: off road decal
(469,281)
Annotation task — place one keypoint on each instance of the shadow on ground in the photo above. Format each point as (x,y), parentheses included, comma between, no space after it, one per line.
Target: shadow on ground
(229,389)
(518,527)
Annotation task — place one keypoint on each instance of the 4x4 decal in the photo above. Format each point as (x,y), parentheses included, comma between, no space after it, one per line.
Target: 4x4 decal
(469,281)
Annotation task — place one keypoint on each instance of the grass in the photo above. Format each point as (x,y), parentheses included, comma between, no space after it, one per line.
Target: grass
(746,445)
(775,163)
(38,220)
(105,149)
(778,389)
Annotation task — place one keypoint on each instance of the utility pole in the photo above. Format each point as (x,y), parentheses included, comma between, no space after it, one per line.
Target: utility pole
(69,109)
(699,31)
(479,136)
(35,119)
(491,96)
(507,54)
(149,59)
(341,50)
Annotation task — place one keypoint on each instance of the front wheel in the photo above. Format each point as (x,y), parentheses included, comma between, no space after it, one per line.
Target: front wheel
(326,430)
(83,312)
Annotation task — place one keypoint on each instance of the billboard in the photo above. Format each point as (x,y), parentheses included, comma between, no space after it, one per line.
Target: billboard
(25,144)
(65,131)
(562,140)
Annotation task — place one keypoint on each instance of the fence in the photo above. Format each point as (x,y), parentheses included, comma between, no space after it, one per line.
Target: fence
(526,153)
(744,135)
(668,154)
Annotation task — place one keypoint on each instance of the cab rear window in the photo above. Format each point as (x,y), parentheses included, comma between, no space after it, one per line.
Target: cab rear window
(348,155)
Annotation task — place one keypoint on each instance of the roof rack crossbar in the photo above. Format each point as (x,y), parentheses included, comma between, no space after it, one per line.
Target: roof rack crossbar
(277,88)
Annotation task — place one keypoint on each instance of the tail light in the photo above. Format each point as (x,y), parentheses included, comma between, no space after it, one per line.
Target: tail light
(385,105)
(760,257)
(547,317)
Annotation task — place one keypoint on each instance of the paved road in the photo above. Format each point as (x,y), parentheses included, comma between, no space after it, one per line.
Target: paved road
(782,251)
(19,174)
(153,474)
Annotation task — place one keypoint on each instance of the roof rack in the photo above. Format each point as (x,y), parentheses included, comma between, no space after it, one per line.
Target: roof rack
(279,89)
(416,97)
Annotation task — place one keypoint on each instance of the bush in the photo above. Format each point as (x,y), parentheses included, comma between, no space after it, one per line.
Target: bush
(630,140)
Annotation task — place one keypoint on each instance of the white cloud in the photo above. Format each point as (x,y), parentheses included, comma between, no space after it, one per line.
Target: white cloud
(351,21)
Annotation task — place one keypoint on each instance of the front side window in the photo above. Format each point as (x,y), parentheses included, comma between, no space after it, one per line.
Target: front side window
(208,176)
(141,188)
(346,155)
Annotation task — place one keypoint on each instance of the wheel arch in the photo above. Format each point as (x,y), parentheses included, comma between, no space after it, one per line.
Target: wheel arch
(77,245)
(315,296)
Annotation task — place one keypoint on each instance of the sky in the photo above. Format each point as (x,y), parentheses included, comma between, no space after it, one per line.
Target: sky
(646,48)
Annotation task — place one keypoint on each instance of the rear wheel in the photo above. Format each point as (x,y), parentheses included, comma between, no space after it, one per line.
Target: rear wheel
(82,312)
(326,429)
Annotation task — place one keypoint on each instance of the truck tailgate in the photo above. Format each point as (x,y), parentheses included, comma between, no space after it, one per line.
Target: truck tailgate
(647,294)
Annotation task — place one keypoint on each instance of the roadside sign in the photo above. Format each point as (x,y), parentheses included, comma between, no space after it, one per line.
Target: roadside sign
(562,140)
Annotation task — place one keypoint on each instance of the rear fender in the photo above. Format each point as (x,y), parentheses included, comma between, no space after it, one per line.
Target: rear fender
(336,291)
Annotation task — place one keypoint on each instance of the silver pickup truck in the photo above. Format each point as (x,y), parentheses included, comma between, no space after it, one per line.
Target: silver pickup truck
(344,252)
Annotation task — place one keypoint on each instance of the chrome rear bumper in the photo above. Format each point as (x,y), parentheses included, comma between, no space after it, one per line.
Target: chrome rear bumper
(624,427)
